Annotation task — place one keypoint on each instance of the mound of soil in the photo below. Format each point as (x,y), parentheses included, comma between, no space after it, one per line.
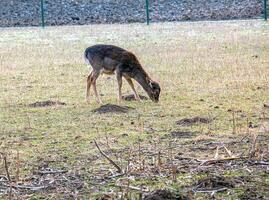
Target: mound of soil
(46,103)
(182,134)
(164,195)
(214,183)
(111,108)
(131,97)
(194,120)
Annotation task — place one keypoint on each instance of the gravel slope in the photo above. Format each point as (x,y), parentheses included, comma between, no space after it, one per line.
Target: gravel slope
(60,12)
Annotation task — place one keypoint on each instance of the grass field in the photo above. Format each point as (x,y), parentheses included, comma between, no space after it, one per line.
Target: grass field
(214,70)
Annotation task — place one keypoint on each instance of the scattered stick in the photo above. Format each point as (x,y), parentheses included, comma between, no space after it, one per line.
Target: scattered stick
(18,166)
(29,187)
(174,173)
(159,159)
(228,151)
(52,172)
(252,150)
(217,153)
(119,170)
(234,123)
(212,191)
(115,176)
(214,161)
(260,162)
(141,189)
(6,167)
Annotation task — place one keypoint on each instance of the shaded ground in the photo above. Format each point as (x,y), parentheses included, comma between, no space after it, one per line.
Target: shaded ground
(46,103)
(164,195)
(132,98)
(111,108)
(214,183)
(183,134)
(194,120)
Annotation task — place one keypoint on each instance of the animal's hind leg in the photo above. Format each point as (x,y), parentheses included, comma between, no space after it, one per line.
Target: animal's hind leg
(95,75)
(133,88)
(89,82)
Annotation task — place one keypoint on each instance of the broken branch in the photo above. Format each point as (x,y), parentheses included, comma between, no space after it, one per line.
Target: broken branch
(214,161)
(6,167)
(119,170)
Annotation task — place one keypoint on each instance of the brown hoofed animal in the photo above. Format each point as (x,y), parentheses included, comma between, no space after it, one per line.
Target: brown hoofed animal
(109,59)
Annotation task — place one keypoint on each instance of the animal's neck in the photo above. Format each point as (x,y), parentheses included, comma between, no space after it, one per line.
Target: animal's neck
(143,79)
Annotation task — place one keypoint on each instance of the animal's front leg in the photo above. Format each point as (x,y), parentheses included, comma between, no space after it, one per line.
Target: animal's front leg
(133,88)
(119,79)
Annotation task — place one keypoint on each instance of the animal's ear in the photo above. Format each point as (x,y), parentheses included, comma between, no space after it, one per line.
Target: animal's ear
(157,81)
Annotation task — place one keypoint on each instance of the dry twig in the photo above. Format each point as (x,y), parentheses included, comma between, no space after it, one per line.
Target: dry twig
(228,151)
(52,172)
(214,161)
(134,188)
(29,187)
(119,170)
(6,167)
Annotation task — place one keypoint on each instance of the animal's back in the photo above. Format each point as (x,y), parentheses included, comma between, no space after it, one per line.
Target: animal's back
(106,58)
(102,51)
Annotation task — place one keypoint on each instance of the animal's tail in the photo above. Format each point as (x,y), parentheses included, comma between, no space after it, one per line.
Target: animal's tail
(86,58)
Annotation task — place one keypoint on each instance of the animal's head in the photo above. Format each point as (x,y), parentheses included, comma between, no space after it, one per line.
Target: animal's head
(155,91)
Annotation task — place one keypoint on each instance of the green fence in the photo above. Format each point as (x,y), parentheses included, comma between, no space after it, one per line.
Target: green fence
(265,11)
(42,13)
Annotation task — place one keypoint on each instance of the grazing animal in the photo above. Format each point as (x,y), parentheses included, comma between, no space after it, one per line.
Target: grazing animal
(109,59)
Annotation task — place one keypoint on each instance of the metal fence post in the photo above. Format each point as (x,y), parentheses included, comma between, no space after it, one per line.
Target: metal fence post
(147,11)
(42,13)
(265,9)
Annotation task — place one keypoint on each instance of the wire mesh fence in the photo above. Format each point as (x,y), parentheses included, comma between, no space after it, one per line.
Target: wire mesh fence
(70,12)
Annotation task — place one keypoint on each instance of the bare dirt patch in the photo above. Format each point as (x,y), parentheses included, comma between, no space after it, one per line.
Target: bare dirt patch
(112,108)
(164,195)
(194,120)
(131,97)
(46,103)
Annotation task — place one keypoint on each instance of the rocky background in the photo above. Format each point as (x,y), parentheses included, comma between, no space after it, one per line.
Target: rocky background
(62,12)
